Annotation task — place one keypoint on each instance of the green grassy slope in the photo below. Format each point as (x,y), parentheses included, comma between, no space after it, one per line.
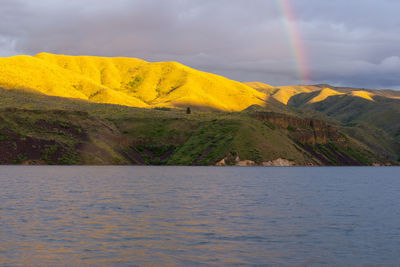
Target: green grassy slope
(39,129)
(376,123)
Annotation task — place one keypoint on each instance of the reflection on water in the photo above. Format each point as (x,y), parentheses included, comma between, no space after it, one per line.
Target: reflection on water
(124,216)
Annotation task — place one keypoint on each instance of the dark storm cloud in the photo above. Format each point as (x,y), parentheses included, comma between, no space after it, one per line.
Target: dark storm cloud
(348,42)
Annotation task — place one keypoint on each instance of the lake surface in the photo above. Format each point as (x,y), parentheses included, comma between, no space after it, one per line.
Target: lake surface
(152,216)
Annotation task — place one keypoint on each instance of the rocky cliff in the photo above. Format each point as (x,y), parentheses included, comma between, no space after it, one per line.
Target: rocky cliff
(305,131)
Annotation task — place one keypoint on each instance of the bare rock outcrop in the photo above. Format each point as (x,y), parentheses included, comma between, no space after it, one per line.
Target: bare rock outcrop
(279,163)
(246,163)
(305,131)
(222,162)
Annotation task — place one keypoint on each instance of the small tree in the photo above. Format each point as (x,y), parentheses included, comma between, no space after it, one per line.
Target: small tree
(188,111)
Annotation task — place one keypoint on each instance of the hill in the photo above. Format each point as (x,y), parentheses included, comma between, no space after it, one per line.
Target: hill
(374,121)
(125,81)
(40,129)
(368,115)
(57,109)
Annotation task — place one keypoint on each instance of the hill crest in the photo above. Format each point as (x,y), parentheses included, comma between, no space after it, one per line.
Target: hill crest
(320,92)
(126,81)
(138,83)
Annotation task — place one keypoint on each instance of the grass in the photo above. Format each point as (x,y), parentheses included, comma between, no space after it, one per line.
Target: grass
(125,81)
(91,133)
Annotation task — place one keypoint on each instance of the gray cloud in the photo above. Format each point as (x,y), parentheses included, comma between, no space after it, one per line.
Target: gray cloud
(353,43)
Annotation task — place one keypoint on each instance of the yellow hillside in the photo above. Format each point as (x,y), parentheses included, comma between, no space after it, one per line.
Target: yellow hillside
(25,72)
(125,81)
(261,87)
(363,94)
(284,93)
(324,94)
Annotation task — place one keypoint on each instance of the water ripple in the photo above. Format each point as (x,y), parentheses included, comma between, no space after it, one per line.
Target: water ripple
(146,216)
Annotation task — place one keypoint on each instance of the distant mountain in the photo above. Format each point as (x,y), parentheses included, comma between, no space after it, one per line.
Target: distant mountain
(317,93)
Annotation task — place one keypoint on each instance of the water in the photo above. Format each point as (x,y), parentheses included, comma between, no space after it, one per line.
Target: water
(152,216)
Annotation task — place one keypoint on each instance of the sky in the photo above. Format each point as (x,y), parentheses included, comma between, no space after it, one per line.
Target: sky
(279,42)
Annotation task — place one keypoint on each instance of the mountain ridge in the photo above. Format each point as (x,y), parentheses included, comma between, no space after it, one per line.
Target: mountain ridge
(138,83)
(125,81)
(284,93)
(58,109)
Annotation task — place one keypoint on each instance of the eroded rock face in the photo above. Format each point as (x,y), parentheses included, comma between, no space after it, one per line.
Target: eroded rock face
(305,131)
(279,163)
(221,163)
(229,160)
(388,164)
(246,163)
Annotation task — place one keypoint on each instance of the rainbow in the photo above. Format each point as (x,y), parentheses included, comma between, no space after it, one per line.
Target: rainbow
(296,43)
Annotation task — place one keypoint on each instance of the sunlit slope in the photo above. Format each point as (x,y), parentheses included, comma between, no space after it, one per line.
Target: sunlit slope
(283,93)
(394,94)
(259,85)
(317,93)
(109,72)
(324,94)
(126,81)
(262,87)
(30,73)
(363,94)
